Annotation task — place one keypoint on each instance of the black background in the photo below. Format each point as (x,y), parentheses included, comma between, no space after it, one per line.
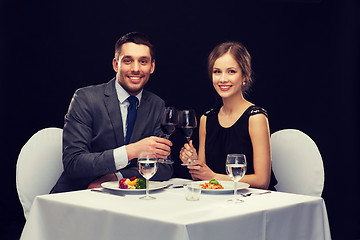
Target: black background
(305,58)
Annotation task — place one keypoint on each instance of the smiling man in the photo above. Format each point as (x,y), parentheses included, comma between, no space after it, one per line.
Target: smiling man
(133,64)
(108,125)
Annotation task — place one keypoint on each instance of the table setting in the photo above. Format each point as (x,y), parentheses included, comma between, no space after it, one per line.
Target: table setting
(179,208)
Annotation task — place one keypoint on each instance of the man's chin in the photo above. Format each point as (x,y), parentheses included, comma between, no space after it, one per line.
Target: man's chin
(133,90)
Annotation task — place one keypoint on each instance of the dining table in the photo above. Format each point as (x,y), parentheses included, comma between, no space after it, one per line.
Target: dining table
(121,214)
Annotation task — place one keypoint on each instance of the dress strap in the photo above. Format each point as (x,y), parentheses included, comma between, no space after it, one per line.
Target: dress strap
(212,111)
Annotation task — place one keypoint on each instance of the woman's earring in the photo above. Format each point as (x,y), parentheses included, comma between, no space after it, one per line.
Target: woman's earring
(244,83)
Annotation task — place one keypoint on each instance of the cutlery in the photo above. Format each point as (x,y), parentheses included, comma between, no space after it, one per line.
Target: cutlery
(108,192)
(249,194)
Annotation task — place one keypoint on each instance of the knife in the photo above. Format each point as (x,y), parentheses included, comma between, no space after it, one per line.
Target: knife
(102,190)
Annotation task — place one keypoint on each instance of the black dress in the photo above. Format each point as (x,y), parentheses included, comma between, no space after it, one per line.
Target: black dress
(221,141)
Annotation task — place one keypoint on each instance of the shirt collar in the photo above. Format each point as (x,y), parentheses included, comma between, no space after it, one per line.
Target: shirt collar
(122,94)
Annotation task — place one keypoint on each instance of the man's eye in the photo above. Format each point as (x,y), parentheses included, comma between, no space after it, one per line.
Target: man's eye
(143,62)
(126,60)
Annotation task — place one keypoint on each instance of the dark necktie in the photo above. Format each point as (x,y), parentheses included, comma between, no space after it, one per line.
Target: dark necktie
(131,117)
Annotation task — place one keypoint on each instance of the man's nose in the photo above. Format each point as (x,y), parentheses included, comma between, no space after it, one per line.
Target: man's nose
(135,66)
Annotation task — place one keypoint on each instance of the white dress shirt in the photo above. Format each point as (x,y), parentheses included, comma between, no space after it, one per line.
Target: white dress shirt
(120,154)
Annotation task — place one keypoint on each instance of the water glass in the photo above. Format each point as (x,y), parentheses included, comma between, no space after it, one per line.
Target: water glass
(192,191)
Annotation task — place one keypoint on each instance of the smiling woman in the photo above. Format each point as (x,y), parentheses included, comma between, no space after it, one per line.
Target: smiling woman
(238,59)
(238,126)
(227,76)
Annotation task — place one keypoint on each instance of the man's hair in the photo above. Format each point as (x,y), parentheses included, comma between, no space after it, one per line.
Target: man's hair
(137,38)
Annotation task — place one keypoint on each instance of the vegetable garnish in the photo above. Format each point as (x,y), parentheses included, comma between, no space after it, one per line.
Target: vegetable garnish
(212,184)
(214,181)
(132,183)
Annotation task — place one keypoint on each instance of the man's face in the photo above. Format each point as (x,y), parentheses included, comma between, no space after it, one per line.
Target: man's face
(133,67)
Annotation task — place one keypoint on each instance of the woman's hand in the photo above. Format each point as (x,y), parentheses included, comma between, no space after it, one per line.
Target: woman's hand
(188,152)
(201,171)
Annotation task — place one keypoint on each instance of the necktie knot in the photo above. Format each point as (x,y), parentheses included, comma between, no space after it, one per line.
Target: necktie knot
(133,100)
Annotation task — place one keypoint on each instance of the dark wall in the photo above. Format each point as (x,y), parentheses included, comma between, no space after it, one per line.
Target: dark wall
(305,59)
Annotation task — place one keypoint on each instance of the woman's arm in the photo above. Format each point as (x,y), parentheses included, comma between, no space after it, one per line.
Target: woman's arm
(202,137)
(260,139)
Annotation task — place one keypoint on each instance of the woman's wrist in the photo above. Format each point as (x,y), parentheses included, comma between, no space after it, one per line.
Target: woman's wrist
(216,176)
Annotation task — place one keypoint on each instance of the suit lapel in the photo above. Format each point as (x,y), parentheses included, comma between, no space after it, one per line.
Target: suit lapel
(113,108)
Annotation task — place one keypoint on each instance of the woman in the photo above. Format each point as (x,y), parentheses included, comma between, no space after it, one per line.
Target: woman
(238,126)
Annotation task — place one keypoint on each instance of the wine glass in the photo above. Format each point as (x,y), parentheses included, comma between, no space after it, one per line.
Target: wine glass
(236,169)
(147,165)
(168,126)
(187,123)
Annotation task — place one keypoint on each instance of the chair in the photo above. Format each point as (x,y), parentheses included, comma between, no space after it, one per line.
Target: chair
(296,163)
(39,166)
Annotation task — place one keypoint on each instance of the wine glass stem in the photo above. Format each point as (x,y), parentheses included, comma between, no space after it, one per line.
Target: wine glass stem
(235,191)
(190,158)
(147,188)
(167,137)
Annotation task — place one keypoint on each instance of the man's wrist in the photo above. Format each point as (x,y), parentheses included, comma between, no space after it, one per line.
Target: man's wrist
(130,151)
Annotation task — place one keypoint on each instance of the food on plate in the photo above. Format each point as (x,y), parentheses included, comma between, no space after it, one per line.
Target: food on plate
(212,184)
(132,183)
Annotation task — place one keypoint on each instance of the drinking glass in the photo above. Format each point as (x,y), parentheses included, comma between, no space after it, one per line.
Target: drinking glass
(187,124)
(168,126)
(192,191)
(235,169)
(147,165)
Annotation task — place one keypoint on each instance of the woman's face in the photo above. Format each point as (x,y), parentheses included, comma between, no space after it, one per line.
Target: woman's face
(227,76)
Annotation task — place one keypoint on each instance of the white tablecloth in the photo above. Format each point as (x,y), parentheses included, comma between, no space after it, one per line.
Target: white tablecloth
(91,215)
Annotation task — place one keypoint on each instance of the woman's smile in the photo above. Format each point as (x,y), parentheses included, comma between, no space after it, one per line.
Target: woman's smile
(225,87)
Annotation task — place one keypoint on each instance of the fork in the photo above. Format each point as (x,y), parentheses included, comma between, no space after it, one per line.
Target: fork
(249,194)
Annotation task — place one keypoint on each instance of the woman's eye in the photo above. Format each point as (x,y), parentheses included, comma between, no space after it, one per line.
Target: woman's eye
(216,71)
(232,71)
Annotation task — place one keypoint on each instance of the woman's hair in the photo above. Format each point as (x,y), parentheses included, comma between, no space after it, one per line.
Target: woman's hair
(241,56)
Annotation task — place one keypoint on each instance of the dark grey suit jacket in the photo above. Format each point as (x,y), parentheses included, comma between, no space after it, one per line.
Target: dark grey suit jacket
(93,128)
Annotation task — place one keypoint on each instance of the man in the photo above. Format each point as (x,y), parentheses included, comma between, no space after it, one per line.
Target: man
(97,143)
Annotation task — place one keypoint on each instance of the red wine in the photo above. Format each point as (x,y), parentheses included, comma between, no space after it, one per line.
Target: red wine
(168,128)
(187,131)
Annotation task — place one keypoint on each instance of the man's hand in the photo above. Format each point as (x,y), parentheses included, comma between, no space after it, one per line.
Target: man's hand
(106,178)
(157,145)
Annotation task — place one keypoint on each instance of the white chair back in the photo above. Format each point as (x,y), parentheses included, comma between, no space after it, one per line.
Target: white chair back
(39,166)
(297,163)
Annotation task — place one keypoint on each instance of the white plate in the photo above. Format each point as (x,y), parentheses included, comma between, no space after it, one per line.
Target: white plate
(114,185)
(228,187)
